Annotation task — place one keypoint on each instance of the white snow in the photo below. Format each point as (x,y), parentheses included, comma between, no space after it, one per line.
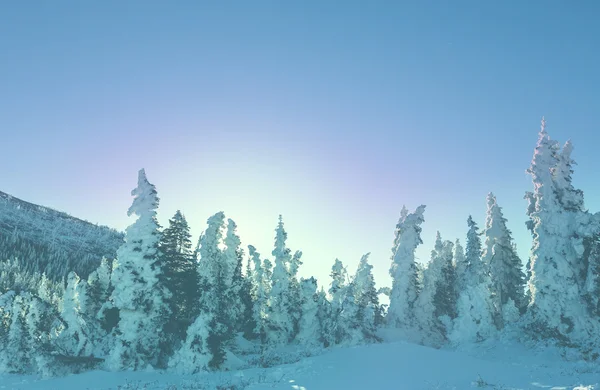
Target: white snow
(391,365)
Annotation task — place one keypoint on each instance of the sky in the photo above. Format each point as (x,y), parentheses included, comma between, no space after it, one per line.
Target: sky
(334,114)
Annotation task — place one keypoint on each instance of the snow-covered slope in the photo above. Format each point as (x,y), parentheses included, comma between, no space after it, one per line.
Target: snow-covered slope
(395,366)
(51,241)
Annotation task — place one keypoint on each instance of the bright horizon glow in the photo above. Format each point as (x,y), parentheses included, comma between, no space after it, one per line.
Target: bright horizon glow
(333,115)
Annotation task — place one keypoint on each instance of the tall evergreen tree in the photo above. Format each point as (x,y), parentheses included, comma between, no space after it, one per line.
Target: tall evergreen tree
(281,325)
(405,286)
(139,293)
(181,278)
(460,263)
(475,308)
(437,300)
(501,258)
(369,311)
(237,297)
(556,306)
(309,329)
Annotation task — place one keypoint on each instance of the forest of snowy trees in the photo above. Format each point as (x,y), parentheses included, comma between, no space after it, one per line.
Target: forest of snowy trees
(167,304)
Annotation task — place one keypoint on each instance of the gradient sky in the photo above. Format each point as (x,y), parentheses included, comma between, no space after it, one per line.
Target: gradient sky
(332,113)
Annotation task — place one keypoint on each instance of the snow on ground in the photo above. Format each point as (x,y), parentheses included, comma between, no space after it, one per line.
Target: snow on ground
(395,365)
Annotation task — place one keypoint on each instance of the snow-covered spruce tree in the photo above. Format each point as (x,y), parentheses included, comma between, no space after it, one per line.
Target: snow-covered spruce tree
(209,336)
(139,292)
(592,288)
(91,299)
(248,298)
(349,329)
(309,329)
(295,293)
(369,314)
(261,286)
(500,257)
(474,322)
(405,286)
(460,264)
(557,310)
(42,323)
(324,317)
(337,293)
(235,256)
(181,279)
(15,357)
(73,339)
(446,292)
(437,299)
(281,325)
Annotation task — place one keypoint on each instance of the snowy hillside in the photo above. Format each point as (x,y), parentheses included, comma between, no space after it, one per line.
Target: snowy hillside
(394,365)
(51,241)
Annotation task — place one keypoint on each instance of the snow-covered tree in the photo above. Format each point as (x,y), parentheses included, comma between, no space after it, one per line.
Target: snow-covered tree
(500,257)
(74,338)
(281,324)
(475,308)
(295,293)
(41,323)
(369,313)
(261,287)
(460,263)
(235,257)
(218,308)
(309,329)
(15,357)
(405,287)
(195,353)
(556,309)
(139,293)
(324,317)
(437,300)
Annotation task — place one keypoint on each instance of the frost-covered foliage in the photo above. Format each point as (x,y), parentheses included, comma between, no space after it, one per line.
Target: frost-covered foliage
(218,310)
(475,308)
(460,264)
(405,286)
(439,294)
(560,228)
(51,242)
(74,338)
(281,324)
(369,312)
(139,292)
(261,289)
(309,329)
(500,257)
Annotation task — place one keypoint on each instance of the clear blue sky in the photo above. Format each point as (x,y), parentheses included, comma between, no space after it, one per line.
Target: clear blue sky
(333,113)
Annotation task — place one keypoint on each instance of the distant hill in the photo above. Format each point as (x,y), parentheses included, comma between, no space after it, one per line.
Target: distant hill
(50,241)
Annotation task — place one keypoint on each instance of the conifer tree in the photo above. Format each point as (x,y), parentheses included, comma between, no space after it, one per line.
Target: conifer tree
(261,290)
(181,278)
(217,270)
(139,292)
(460,264)
(281,325)
(501,258)
(405,286)
(74,338)
(309,329)
(437,298)
(475,308)
(369,313)
(559,230)
(324,317)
